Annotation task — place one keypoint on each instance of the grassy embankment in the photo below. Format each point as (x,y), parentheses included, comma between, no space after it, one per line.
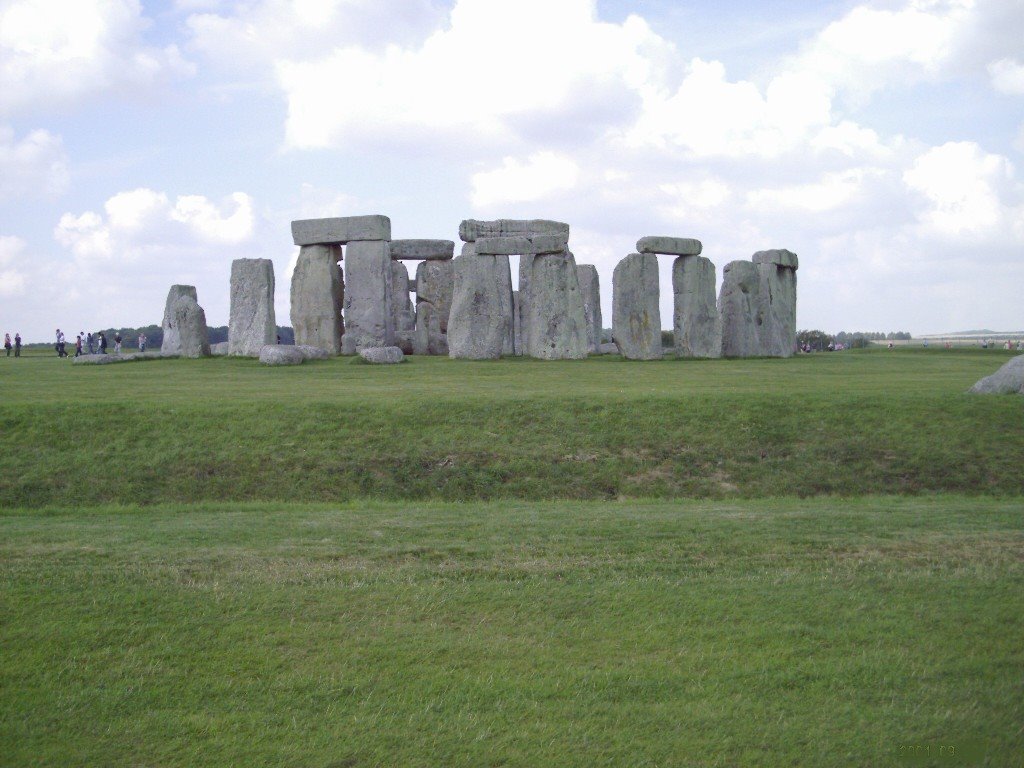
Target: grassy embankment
(756,633)
(231,430)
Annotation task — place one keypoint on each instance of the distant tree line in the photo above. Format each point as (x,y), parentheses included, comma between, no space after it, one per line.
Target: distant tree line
(819,340)
(155,336)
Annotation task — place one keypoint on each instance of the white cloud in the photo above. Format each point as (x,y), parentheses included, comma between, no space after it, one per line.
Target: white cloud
(12,278)
(542,175)
(142,222)
(56,52)
(1007,76)
(34,166)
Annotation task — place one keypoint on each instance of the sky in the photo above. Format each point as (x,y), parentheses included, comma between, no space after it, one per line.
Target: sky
(144,144)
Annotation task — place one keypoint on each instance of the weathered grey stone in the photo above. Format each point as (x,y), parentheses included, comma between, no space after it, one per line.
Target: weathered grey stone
(96,359)
(382,355)
(507,306)
(636,315)
(739,306)
(608,349)
(219,349)
(310,352)
(434,283)
(318,294)
(525,268)
(521,244)
(518,342)
(780,257)
(590,290)
(401,304)
(480,319)
(472,229)
(340,230)
(777,314)
(170,343)
(369,319)
(557,322)
(422,249)
(669,246)
(190,321)
(696,323)
(281,354)
(427,338)
(252,324)
(1007,380)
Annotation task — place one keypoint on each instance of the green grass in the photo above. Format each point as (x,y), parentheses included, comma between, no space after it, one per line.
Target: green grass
(850,423)
(817,632)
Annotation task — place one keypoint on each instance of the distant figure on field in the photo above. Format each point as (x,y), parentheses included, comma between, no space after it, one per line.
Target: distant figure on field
(279,338)
(90,344)
(117,343)
(103,343)
(60,344)
(890,345)
(142,342)
(78,345)
(7,343)
(17,344)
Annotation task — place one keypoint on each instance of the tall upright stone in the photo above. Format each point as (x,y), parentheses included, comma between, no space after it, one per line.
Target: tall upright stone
(696,322)
(318,295)
(636,314)
(517,325)
(401,304)
(252,324)
(480,318)
(434,285)
(590,290)
(171,344)
(740,307)
(369,318)
(189,319)
(557,326)
(507,303)
(777,270)
(525,269)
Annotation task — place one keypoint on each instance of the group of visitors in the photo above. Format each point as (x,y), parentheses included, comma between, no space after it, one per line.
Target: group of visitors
(16,345)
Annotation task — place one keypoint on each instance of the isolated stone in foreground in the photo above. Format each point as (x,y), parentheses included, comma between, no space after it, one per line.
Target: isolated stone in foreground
(636,314)
(281,354)
(382,355)
(471,230)
(428,250)
(341,230)
(252,324)
(669,246)
(1007,380)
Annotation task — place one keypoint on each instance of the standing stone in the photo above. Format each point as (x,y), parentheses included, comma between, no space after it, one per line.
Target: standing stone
(434,283)
(190,321)
(479,324)
(590,290)
(506,303)
(318,294)
(777,269)
(739,305)
(252,324)
(369,319)
(696,323)
(636,315)
(557,324)
(525,268)
(401,306)
(171,343)
(517,325)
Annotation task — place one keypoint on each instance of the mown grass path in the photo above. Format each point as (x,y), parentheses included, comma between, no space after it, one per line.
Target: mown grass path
(817,632)
(849,423)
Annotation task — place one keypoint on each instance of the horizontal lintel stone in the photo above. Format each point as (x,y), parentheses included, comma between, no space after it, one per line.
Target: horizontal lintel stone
(669,246)
(779,257)
(428,250)
(341,230)
(522,246)
(472,230)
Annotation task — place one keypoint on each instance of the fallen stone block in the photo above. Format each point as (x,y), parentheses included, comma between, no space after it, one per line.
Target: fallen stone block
(281,354)
(310,352)
(426,250)
(341,230)
(1007,380)
(669,246)
(382,355)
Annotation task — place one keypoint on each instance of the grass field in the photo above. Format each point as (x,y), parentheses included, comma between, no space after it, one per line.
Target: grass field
(815,562)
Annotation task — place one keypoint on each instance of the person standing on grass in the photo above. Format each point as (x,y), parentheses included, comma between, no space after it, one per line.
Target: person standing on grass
(117,342)
(142,342)
(17,344)
(103,343)
(60,344)
(7,343)
(78,345)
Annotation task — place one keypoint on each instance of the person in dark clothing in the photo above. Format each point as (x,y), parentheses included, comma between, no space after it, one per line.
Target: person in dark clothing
(103,343)
(17,345)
